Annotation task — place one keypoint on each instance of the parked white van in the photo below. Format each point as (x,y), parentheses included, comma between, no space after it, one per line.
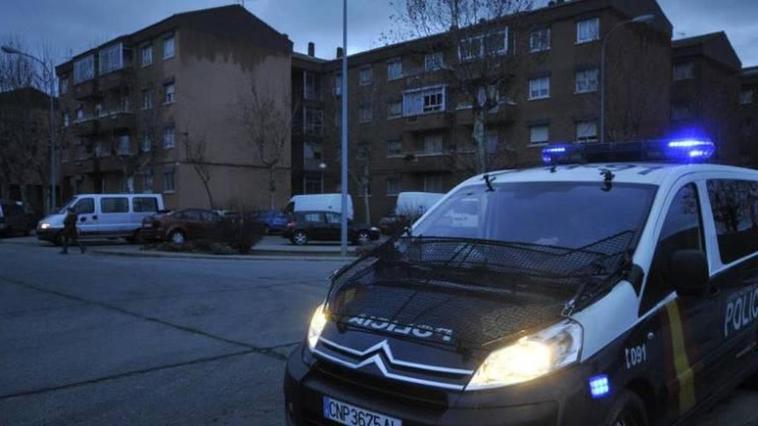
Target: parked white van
(320,202)
(103,216)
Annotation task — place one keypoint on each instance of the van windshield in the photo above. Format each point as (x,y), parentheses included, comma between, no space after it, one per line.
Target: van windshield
(556,214)
(69,203)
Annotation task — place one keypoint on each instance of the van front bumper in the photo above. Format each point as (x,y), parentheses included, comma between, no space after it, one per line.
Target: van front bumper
(48,234)
(561,399)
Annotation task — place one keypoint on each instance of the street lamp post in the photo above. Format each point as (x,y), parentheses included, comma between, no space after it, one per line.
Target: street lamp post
(642,19)
(343,171)
(13,51)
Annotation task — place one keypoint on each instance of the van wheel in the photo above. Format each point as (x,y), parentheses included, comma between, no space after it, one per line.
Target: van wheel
(363,237)
(628,410)
(177,237)
(299,238)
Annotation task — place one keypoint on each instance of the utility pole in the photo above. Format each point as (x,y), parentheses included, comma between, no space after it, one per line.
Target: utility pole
(343,177)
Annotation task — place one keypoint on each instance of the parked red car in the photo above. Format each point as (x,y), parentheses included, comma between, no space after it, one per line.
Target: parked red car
(182,225)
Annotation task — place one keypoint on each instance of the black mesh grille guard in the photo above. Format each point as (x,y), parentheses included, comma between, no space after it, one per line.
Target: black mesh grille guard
(474,292)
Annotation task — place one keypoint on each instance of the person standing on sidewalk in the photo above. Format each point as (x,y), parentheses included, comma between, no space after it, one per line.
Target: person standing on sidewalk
(70,232)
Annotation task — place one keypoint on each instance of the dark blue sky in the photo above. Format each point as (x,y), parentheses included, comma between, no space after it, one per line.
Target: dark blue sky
(73,25)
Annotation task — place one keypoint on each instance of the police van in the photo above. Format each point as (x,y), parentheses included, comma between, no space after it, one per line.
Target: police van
(584,292)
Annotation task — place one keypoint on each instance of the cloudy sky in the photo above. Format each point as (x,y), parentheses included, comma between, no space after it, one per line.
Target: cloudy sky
(73,25)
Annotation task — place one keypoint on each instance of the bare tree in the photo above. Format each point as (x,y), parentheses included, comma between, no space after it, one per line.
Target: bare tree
(480,33)
(195,155)
(267,122)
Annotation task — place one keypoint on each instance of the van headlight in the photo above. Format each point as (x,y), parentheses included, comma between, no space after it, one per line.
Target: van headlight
(530,357)
(318,322)
(44,225)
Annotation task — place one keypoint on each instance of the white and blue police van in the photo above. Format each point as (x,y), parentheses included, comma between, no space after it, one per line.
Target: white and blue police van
(595,290)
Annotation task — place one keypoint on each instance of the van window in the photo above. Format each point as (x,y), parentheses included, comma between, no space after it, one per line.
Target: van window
(734,204)
(84,206)
(114,205)
(681,230)
(333,218)
(145,204)
(313,217)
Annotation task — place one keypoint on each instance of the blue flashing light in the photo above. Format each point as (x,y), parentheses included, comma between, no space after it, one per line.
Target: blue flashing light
(690,149)
(599,386)
(554,153)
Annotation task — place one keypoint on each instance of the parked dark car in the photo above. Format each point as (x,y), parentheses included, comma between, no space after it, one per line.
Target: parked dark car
(182,225)
(14,220)
(308,226)
(275,221)
(392,223)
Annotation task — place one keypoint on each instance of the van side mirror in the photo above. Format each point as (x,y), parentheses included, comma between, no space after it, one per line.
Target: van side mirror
(688,272)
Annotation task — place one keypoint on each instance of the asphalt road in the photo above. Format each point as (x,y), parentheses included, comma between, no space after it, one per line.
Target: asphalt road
(88,339)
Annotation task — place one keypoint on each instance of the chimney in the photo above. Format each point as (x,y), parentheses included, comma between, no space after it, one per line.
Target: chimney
(311,49)
(340,52)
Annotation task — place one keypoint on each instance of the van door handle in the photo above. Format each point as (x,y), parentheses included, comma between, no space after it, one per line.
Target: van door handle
(84,219)
(94,217)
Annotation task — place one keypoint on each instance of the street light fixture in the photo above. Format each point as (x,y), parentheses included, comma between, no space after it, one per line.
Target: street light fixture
(13,51)
(647,19)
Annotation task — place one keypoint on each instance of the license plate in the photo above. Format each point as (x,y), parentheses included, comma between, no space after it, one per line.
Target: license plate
(351,415)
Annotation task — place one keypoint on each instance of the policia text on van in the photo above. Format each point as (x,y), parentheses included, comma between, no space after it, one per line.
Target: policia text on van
(574,294)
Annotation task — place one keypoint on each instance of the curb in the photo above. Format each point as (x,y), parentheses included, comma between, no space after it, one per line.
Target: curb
(148,254)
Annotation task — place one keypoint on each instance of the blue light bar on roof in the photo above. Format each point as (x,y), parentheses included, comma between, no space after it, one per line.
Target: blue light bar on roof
(599,386)
(687,150)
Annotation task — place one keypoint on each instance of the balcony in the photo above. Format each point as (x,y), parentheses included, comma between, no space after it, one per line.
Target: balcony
(117,120)
(503,114)
(86,126)
(85,89)
(116,79)
(426,122)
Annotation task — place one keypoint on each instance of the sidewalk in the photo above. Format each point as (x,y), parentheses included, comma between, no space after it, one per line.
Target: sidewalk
(270,248)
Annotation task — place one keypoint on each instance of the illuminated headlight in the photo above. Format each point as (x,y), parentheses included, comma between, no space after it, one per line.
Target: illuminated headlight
(44,226)
(530,357)
(318,322)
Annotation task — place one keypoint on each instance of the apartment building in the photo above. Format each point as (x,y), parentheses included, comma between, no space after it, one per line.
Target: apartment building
(24,147)
(705,92)
(161,110)
(411,124)
(748,116)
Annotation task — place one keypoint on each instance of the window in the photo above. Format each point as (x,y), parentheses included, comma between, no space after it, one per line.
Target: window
(168,180)
(85,206)
(394,148)
(312,151)
(394,69)
(111,58)
(495,43)
(432,145)
(734,204)
(492,140)
(680,111)
(395,109)
(424,101)
(314,121)
(80,113)
(147,142)
(434,61)
(587,30)
(125,107)
(333,218)
(313,217)
(99,110)
(114,205)
(147,55)
(169,92)
(63,85)
(168,137)
(311,86)
(434,183)
(169,48)
(685,71)
(124,145)
(586,131)
(313,184)
(587,81)
(539,88)
(101,150)
(539,40)
(147,99)
(393,186)
(746,97)
(365,113)
(145,204)
(365,76)
(147,181)
(681,231)
(539,134)
(338,85)
(84,69)
(66,120)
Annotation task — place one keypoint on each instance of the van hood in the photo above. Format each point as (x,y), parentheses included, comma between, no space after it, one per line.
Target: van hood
(55,220)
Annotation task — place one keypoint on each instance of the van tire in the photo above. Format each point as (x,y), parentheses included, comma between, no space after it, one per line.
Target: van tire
(299,238)
(627,410)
